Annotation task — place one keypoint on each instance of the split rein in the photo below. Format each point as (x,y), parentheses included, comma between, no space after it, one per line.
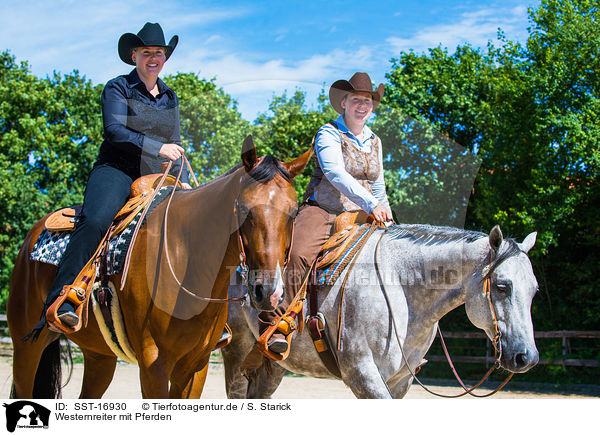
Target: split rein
(487,292)
(165,242)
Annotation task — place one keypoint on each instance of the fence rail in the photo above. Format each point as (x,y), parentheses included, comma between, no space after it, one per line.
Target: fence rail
(489,359)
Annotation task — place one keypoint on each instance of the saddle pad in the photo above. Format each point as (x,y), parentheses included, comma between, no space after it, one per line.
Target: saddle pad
(50,245)
(328,273)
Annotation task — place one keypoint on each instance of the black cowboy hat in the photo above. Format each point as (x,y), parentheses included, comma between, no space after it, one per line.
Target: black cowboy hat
(151,35)
(359,82)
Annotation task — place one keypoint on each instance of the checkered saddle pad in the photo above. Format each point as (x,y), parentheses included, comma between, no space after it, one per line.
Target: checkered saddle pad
(50,245)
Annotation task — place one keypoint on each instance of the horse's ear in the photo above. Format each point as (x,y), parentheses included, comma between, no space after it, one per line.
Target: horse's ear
(495,238)
(297,166)
(528,242)
(249,153)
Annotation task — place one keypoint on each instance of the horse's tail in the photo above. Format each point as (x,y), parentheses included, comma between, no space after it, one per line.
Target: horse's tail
(48,377)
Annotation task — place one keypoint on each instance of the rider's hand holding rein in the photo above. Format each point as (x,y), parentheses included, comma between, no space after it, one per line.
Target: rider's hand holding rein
(381,213)
(173,152)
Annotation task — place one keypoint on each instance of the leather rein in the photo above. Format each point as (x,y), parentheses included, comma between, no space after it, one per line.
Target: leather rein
(495,341)
(243,265)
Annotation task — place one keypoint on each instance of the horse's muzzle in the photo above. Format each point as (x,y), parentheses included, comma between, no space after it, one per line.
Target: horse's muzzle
(261,300)
(520,362)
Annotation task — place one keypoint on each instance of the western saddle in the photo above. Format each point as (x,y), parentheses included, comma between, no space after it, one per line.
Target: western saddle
(142,192)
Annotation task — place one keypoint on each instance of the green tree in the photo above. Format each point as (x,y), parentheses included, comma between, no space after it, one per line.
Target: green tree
(530,113)
(212,129)
(50,130)
(288,130)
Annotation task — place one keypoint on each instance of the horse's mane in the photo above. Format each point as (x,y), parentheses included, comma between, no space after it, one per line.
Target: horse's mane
(433,235)
(264,172)
(422,234)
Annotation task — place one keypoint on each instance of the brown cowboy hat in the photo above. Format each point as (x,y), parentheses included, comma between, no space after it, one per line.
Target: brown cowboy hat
(151,35)
(359,82)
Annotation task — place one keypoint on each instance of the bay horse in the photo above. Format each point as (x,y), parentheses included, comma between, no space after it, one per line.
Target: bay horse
(406,278)
(171,328)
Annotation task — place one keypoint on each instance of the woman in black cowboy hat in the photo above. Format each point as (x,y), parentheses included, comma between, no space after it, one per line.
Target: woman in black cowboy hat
(348,176)
(141,130)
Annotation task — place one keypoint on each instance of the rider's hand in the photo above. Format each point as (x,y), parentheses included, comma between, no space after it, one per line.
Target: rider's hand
(171,151)
(381,213)
(186,186)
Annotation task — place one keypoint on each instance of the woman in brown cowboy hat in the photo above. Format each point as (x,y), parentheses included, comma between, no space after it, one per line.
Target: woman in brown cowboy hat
(141,130)
(348,176)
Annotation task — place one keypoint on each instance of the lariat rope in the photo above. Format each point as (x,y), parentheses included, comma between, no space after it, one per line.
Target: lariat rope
(496,341)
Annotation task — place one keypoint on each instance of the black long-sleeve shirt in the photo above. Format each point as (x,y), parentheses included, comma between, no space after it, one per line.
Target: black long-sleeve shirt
(137,124)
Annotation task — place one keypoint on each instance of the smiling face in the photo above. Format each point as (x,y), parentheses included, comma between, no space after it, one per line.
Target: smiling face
(149,61)
(358,107)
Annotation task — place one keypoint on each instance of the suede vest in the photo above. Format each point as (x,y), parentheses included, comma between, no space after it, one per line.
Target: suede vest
(364,167)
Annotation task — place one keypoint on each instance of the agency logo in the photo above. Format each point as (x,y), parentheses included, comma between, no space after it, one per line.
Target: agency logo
(26,414)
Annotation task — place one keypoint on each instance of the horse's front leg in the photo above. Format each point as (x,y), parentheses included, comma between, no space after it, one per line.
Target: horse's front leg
(188,376)
(154,373)
(97,374)
(400,389)
(193,388)
(364,379)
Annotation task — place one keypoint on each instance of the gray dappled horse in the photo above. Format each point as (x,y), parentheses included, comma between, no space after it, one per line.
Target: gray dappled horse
(424,272)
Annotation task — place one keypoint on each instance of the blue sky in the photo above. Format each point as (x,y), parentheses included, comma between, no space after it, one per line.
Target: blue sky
(253,49)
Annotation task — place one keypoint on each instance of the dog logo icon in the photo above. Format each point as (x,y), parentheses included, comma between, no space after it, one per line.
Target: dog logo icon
(26,414)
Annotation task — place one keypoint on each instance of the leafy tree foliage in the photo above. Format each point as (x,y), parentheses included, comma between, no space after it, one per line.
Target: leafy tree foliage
(288,130)
(50,130)
(212,129)
(530,113)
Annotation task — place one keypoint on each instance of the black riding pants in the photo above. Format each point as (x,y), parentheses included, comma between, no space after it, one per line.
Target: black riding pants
(107,191)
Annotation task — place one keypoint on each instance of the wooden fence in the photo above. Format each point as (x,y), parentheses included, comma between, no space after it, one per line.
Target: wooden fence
(564,336)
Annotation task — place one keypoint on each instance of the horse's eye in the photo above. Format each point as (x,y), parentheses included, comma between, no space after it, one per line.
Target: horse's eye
(503,287)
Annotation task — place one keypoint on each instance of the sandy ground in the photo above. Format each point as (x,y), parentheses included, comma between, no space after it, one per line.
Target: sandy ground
(125,385)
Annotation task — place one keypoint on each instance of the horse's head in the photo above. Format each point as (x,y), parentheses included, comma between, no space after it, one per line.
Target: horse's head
(512,286)
(266,209)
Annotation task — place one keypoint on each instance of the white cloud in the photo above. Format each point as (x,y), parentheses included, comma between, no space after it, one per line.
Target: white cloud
(475,28)
(84,35)
(249,74)
(253,81)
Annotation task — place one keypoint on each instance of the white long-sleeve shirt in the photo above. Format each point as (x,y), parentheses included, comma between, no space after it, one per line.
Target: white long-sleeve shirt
(328,148)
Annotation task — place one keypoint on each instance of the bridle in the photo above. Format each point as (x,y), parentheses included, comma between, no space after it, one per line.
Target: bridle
(244,269)
(496,340)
